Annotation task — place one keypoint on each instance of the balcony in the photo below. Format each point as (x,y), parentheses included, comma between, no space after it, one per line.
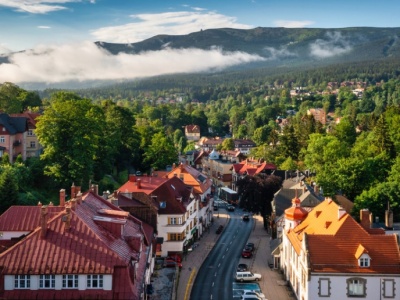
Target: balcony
(17,143)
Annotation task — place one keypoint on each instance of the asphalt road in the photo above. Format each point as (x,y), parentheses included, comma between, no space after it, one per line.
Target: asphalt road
(216,275)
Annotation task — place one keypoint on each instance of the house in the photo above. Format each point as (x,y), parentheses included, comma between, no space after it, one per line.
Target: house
(244,145)
(325,253)
(218,166)
(192,132)
(167,203)
(32,145)
(86,248)
(250,167)
(318,114)
(13,132)
(202,189)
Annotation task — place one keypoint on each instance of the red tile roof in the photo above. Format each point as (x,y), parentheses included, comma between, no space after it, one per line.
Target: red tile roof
(146,185)
(334,238)
(87,247)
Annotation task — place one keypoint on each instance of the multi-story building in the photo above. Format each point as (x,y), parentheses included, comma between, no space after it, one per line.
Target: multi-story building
(171,205)
(202,190)
(326,254)
(32,145)
(13,132)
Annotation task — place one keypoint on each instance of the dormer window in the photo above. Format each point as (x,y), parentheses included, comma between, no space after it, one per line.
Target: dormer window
(364,262)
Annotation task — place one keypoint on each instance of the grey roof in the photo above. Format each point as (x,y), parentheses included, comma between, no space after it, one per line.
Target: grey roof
(14,125)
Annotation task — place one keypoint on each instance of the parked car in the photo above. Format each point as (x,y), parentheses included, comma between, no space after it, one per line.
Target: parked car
(253,293)
(250,246)
(231,208)
(168,263)
(219,229)
(175,257)
(247,276)
(215,207)
(251,297)
(247,253)
(246,217)
(242,268)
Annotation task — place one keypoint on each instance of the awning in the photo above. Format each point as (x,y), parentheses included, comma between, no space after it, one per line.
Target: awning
(194,230)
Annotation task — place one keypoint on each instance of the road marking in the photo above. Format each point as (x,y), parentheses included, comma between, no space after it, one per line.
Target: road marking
(219,265)
(213,284)
(215,275)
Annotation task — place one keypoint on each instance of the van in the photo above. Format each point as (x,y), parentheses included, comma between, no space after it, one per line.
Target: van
(247,276)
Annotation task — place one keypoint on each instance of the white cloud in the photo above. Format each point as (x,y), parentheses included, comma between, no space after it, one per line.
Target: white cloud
(171,23)
(278,53)
(36,6)
(81,62)
(335,44)
(292,24)
(44,27)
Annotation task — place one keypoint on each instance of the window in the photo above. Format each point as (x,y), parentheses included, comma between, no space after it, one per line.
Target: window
(389,288)
(324,287)
(356,287)
(30,132)
(94,281)
(172,221)
(22,281)
(33,144)
(2,139)
(70,281)
(47,281)
(364,262)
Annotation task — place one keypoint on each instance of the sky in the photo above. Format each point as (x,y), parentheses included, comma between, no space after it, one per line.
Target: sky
(56,36)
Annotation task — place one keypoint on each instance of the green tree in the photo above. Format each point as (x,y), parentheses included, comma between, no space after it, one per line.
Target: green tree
(69,131)
(345,131)
(289,146)
(228,144)
(257,192)
(8,189)
(288,164)
(161,152)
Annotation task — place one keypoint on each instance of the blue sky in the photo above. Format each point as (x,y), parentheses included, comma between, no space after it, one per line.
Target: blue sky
(71,25)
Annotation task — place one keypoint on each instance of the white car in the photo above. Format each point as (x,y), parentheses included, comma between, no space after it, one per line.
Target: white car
(251,297)
(253,293)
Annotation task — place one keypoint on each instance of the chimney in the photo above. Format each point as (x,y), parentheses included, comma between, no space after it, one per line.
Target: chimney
(73,204)
(341,212)
(96,189)
(43,221)
(115,194)
(139,185)
(67,218)
(132,178)
(365,218)
(39,203)
(62,197)
(389,218)
(79,197)
(73,191)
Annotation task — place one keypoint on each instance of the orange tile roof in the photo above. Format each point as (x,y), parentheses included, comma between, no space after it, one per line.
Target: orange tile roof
(192,177)
(333,242)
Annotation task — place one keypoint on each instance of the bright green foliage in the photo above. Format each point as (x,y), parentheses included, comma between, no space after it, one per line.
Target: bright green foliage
(228,144)
(70,131)
(288,164)
(160,153)
(345,132)
(289,145)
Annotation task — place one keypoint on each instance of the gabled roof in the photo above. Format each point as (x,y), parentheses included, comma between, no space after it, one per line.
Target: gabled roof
(192,129)
(31,117)
(13,125)
(192,177)
(175,195)
(333,239)
(252,167)
(147,184)
(25,218)
(101,239)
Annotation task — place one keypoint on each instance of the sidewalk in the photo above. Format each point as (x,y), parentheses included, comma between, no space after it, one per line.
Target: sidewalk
(193,261)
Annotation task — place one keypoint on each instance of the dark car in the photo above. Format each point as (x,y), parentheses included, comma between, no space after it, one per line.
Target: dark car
(215,207)
(231,208)
(219,229)
(242,268)
(246,217)
(169,263)
(250,246)
(247,253)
